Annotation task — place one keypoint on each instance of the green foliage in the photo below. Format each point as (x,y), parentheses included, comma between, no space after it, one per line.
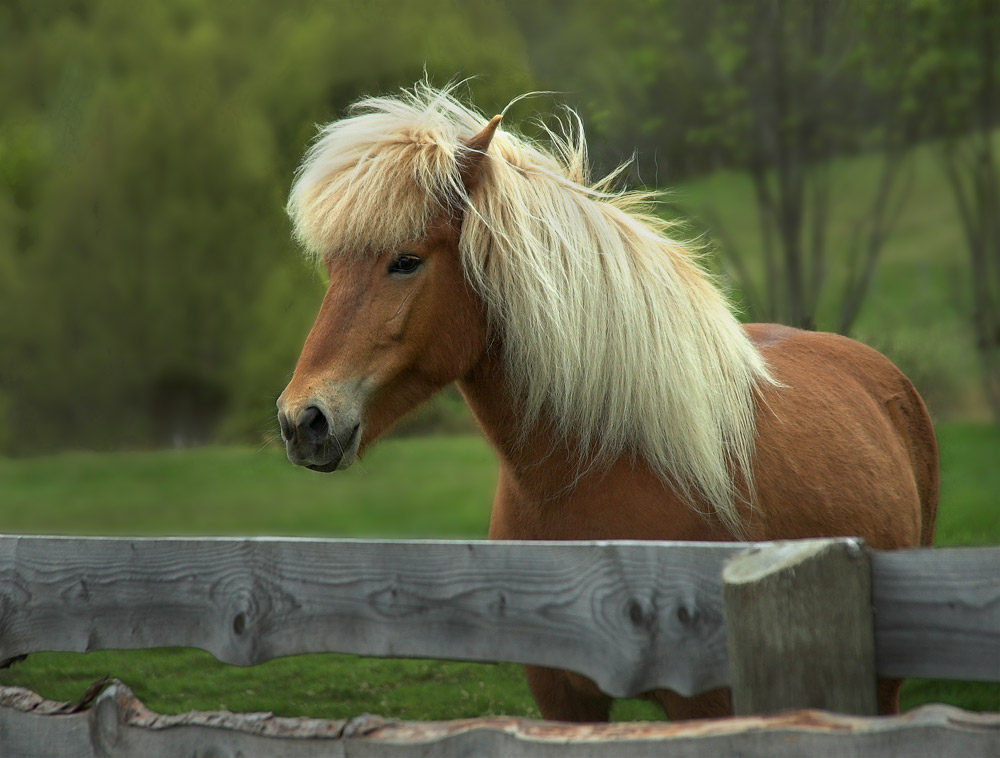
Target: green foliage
(947,73)
(957,64)
(149,292)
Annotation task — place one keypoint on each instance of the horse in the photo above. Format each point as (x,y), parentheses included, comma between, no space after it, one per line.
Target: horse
(621,395)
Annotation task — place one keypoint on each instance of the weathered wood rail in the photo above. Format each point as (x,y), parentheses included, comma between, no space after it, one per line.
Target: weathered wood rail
(632,616)
(118,725)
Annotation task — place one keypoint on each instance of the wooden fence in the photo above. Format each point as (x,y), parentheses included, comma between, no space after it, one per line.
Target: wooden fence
(632,616)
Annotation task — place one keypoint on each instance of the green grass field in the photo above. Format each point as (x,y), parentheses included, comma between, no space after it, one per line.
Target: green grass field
(420,487)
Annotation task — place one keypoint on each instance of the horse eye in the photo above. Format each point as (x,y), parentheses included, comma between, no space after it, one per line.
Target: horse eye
(404,264)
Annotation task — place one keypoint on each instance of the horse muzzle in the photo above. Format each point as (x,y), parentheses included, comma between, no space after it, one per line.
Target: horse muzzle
(319,439)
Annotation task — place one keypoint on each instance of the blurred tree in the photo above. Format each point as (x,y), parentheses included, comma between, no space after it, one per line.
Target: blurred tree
(155,225)
(624,67)
(781,89)
(788,88)
(149,292)
(957,66)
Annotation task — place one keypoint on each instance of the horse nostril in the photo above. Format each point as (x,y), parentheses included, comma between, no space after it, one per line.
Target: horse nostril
(314,423)
(286,428)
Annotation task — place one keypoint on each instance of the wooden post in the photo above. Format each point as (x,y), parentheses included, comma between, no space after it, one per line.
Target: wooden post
(800,628)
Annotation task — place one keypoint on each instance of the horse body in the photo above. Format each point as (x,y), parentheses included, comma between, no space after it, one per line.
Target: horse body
(818,471)
(809,445)
(620,395)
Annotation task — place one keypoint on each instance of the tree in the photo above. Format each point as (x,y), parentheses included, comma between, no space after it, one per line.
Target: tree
(149,290)
(958,66)
(790,88)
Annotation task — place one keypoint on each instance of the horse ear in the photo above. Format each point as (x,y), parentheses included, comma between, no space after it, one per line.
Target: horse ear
(475,153)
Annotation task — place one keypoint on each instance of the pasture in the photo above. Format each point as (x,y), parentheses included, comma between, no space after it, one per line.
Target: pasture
(423,487)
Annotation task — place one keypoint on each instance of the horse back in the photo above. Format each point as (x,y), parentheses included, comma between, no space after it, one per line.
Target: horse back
(845,444)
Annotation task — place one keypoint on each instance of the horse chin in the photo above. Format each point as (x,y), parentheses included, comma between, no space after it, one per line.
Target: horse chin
(345,459)
(326,468)
(337,464)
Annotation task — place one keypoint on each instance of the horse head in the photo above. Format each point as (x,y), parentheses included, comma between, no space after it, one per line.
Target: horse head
(394,327)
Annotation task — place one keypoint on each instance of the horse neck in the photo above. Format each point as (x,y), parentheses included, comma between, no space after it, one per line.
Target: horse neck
(548,494)
(534,456)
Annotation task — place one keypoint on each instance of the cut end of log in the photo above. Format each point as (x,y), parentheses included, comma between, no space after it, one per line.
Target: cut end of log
(759,562)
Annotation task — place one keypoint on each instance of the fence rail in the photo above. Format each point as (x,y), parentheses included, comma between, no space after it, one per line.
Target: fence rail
(632,616)
(118,725)
(937,613)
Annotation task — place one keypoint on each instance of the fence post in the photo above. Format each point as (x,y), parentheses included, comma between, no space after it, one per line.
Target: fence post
(800,627)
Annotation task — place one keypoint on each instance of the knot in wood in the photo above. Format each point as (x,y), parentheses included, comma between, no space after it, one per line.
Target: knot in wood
(685,616)
(246,608)
(249,603)
(639,615)
(499,606)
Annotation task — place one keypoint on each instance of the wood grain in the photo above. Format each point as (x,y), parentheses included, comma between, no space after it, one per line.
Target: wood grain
(799,628)
(119,726)
(937,613)
(631,616)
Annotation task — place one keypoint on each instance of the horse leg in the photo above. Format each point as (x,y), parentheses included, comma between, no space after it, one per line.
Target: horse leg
(564,696)
(888,696)
(708,705)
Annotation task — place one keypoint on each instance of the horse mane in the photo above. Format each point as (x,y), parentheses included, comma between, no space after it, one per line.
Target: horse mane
(611,329)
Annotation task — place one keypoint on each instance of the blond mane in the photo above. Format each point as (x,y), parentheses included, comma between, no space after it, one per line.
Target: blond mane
(609,327)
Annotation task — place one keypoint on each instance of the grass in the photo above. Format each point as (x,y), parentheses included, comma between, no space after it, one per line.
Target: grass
(427,487)
(969,510)
(420,487)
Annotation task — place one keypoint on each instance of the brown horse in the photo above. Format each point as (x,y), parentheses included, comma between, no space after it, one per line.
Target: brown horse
(623,399)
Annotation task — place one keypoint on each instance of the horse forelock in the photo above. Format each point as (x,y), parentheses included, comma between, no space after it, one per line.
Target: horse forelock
(610,327)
